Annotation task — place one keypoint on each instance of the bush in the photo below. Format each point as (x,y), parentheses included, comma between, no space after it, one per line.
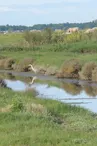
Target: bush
(94,74)
(23,64)
(17,105)
(6,63)
(2,61)
(51,70)
(71,68)
(36,109)
(87,69)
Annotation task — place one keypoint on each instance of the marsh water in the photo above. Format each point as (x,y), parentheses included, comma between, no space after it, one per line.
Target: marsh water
(74,92)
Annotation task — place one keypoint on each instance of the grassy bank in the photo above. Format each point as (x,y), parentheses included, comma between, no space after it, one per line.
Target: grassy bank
(49,57)
(25,120)
(15,46)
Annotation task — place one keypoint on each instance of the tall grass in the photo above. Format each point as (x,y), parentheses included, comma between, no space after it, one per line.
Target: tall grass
(48,54)
(19,42)
(25,120)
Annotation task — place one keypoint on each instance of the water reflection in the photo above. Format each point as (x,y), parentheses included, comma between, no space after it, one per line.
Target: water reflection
(71,88)
(32,80)
(71,92)
(90,90)
(2,83)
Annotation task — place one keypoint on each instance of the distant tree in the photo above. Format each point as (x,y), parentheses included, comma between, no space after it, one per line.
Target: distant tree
(48,34)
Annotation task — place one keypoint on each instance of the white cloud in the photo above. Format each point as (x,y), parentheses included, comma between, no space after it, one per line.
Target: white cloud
(31,5)
(38,2)
(10,9)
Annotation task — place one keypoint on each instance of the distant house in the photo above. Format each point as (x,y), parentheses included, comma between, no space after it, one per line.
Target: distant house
(35,30)
(91,30)
(71,30)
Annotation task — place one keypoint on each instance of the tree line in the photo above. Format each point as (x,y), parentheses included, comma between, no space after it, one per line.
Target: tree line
(62,26)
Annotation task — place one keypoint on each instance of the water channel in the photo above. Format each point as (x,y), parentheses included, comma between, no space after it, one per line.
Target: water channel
(74,92)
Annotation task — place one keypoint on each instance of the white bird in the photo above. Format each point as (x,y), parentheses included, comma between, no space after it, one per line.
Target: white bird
(33,69)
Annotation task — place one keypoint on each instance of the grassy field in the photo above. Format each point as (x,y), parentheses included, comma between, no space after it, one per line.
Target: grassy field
(52,54)
(51,58)
(25,120)
(10,38)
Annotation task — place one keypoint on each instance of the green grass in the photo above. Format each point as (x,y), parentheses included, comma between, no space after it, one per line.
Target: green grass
(26,120)
(60,125)
(51,58)
(52,54)
(10,38)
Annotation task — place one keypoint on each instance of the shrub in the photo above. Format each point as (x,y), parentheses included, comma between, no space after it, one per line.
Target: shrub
(94,74)
(8,63)
(2,61)
(41,69)
(71,68)
(23,64)
(87,69)
(17,105)
(51,70)
(36,109)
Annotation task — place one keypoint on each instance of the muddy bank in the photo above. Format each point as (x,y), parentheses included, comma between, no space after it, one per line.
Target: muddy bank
(69,69)
(26,65)
(13,73)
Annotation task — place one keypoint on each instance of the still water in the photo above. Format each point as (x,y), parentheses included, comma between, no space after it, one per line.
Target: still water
(79,93)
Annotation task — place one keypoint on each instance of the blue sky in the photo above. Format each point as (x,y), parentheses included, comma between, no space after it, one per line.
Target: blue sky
(30,12)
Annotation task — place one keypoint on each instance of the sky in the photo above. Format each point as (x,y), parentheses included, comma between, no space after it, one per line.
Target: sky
(30,12)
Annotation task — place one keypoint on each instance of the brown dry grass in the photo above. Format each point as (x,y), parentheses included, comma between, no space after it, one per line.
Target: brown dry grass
(23,64)
(41,69)
(36,109)
(6,63)
(71,68)
(2,61)
(6,109)
(51,70)
(94,74)
(86,72)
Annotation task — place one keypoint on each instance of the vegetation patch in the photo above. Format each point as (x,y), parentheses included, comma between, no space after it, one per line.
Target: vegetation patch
(51,70)
(87,69)
(71,68)
(6,63)
(36,109)
(22,65)
(26,120)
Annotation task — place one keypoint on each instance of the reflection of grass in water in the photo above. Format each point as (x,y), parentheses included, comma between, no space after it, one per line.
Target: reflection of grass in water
(49,82)
(29,79)
(68,87)
(12,77)
(7,76)
(71,88)
(90,90)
